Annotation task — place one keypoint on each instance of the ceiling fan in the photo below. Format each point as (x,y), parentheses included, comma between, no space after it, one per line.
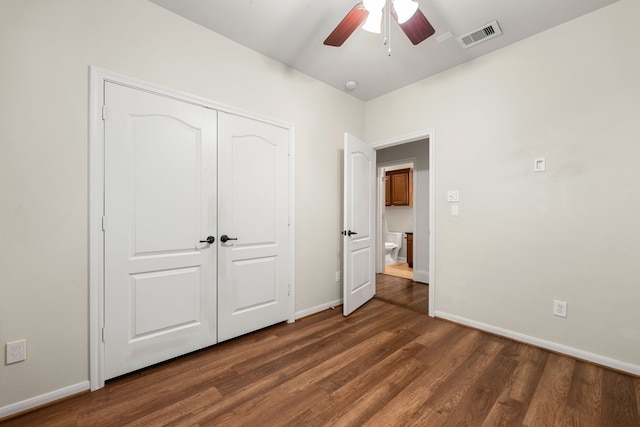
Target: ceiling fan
(405,12)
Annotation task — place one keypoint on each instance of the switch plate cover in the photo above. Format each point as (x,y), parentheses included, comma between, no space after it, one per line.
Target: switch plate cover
(559,308)
(16,351)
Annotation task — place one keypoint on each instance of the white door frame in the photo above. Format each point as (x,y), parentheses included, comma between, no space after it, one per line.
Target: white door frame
(97,77)
(405,139)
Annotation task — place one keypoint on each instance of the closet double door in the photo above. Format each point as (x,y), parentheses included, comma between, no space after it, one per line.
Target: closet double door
(196,233)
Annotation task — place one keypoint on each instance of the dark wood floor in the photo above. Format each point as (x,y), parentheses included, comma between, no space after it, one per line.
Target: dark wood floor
(404,292)
(385,365)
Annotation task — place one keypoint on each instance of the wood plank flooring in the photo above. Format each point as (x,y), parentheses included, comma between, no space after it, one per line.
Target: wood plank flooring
(385,365)
(399,269)
(404,292)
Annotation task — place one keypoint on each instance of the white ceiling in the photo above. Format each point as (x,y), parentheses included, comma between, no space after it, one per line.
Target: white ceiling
(292,32)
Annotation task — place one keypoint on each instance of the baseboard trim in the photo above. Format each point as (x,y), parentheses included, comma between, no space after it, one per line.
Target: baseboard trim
(421,276)
(43,399)
(317,309)
(548,345)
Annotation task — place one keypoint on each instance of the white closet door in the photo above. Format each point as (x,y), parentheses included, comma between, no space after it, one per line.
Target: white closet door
(160,201)
(253,186)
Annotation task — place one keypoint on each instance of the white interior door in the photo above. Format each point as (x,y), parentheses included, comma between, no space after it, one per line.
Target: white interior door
(253,201)
(359,282)
(160,193)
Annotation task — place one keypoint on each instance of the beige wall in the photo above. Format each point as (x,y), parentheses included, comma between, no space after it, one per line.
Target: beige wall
(523,239)
(46,48)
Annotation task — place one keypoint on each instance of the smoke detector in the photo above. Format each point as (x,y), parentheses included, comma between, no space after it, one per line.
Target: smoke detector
(480,35)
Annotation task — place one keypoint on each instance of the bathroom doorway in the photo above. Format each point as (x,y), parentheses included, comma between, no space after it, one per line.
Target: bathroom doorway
(398,215)
(415,150)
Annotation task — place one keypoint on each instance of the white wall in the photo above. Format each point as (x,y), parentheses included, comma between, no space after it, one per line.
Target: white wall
(419,150)
(46,48)
(523,239)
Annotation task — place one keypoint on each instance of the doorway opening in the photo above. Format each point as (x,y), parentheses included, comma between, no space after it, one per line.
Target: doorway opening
(416,150)
(398,215)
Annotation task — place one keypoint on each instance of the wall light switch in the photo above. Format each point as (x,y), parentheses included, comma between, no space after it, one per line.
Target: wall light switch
(453,196)
(539,165)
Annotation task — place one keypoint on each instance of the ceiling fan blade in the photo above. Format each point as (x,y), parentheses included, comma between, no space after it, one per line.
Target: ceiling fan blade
(347,26)
(417,28)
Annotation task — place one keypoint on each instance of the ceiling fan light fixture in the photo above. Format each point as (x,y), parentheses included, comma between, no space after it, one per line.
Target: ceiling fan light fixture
(373,24)
(373,5)
(405,9)
(373,15)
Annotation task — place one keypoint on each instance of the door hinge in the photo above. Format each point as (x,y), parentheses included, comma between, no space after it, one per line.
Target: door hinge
(104,112)
(289,290)
(102,334)
(104,223)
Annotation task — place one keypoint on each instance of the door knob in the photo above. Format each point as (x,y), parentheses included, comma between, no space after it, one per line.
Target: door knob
(210,239)
(349,233)
(225,238)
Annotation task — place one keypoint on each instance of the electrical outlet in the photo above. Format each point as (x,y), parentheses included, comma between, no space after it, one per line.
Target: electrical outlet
(559,308)
(16,351)
(338,277)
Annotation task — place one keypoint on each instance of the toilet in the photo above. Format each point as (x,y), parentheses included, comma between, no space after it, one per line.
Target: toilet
(392,246)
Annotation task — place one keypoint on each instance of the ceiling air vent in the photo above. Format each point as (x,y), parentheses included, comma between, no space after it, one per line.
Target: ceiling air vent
(480,35)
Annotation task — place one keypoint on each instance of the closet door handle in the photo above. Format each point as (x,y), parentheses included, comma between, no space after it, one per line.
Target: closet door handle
(224,238)
(349,233)
(210,239)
